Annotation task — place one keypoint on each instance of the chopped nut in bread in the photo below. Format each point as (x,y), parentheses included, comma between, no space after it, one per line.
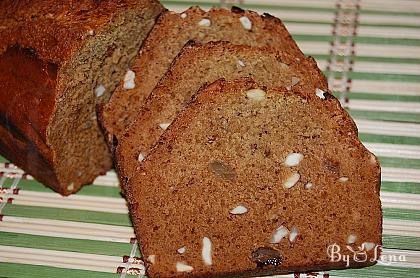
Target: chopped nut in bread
(205,22)
(246,23)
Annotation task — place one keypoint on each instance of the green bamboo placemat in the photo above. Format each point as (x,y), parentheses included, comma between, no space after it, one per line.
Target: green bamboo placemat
(370,52)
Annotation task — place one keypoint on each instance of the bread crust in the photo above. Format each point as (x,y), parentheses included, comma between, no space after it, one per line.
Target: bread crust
(57,30)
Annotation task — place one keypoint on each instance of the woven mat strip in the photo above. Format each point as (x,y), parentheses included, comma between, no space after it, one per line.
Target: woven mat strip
(376,76)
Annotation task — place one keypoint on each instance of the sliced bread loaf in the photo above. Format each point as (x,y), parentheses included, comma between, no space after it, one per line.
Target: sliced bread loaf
(57,60)
(170,34)
(201,64)
(254,181)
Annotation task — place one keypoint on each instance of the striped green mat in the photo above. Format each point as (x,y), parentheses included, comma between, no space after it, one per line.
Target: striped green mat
(370,52)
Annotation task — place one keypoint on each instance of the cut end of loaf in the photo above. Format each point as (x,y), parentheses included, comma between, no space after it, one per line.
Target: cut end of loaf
(58,140)
(80,149)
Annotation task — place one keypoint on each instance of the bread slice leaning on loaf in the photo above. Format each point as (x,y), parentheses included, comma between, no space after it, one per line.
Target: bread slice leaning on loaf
(252,181)
(197,65)
(57,61)
(171,32)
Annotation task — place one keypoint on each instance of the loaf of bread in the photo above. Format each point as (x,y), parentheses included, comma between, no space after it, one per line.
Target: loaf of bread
(57,60)
(194,67)
(250,180)
(170,34)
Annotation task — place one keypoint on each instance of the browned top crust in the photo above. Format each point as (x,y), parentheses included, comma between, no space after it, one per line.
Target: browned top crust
(56,29)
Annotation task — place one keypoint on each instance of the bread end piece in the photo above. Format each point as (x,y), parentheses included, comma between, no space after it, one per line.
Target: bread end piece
(53,75)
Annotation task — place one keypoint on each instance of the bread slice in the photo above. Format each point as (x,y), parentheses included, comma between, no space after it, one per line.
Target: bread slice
(193,68)
(254,181)
(170,34)
(57,60)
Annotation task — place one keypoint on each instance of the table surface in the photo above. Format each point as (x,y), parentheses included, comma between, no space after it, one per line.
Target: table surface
(370,52)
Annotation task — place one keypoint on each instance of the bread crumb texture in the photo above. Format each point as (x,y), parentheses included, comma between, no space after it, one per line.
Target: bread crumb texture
(265,195)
